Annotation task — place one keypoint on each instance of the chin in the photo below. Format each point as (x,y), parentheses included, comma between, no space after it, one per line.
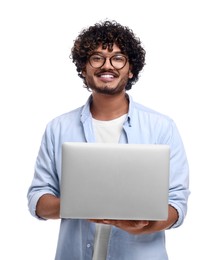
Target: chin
(108,90)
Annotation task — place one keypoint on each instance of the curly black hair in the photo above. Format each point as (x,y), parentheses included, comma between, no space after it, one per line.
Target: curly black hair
(109,33)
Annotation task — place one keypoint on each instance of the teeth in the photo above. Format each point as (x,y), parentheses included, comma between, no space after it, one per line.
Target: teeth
(106,76)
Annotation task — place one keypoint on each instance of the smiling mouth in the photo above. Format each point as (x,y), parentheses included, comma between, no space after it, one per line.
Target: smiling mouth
(106,76)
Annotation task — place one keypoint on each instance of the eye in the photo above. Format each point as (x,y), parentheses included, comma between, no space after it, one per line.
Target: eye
(96,58)
(118,58)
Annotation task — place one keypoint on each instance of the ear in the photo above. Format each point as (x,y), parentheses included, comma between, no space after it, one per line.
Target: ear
(130,74)
(83,73)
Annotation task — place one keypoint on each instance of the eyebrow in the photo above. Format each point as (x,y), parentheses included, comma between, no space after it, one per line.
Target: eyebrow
(113,53)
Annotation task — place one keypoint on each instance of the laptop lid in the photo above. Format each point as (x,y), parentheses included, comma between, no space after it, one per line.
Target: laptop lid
(114,181)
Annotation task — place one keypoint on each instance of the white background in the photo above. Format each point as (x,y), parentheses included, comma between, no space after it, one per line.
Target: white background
(38,82)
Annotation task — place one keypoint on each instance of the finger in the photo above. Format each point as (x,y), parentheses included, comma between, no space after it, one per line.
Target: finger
(110,221)
(127,224)
(99,221)
(141,224)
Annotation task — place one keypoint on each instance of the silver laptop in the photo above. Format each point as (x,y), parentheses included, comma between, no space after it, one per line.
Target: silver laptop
(114,181)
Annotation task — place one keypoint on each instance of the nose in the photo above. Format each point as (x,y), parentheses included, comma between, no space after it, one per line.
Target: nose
(107,64)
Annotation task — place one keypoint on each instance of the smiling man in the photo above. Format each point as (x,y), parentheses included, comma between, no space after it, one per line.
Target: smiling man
(109,58)
(100,75)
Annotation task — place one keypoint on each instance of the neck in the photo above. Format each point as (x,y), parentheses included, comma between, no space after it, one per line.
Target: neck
(108,107)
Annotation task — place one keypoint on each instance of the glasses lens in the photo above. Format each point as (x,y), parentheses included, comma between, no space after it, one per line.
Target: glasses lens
(118,61)
(96,61)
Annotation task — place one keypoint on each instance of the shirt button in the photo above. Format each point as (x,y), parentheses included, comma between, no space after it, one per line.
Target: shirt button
(88,245)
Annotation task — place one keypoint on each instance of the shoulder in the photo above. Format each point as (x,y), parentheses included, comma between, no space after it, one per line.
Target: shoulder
(68,116)
(153,123)
(64,121)
(72,117)
(142,111)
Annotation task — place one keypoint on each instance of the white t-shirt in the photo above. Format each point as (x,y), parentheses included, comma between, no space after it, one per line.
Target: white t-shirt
(105,132)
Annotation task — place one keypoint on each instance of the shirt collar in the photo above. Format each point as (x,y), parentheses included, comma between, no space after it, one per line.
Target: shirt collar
(86,110)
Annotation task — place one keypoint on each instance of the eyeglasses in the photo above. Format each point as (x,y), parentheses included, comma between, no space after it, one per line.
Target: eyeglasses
(118,61)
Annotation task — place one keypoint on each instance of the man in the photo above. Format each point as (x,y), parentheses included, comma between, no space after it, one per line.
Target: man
(108,58)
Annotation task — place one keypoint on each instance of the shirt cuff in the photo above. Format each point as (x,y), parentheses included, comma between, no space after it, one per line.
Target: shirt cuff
(180,216)
(33,202)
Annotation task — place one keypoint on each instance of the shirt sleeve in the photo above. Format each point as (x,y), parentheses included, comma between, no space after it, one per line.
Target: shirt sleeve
(179,175)
(45,180)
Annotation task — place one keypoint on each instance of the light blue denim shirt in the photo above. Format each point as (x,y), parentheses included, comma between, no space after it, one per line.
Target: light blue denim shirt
(143,125)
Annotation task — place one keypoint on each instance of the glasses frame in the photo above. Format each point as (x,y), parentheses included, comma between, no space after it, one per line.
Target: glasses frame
(110,60)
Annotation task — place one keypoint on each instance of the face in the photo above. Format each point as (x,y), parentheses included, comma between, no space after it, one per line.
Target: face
(107,79)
